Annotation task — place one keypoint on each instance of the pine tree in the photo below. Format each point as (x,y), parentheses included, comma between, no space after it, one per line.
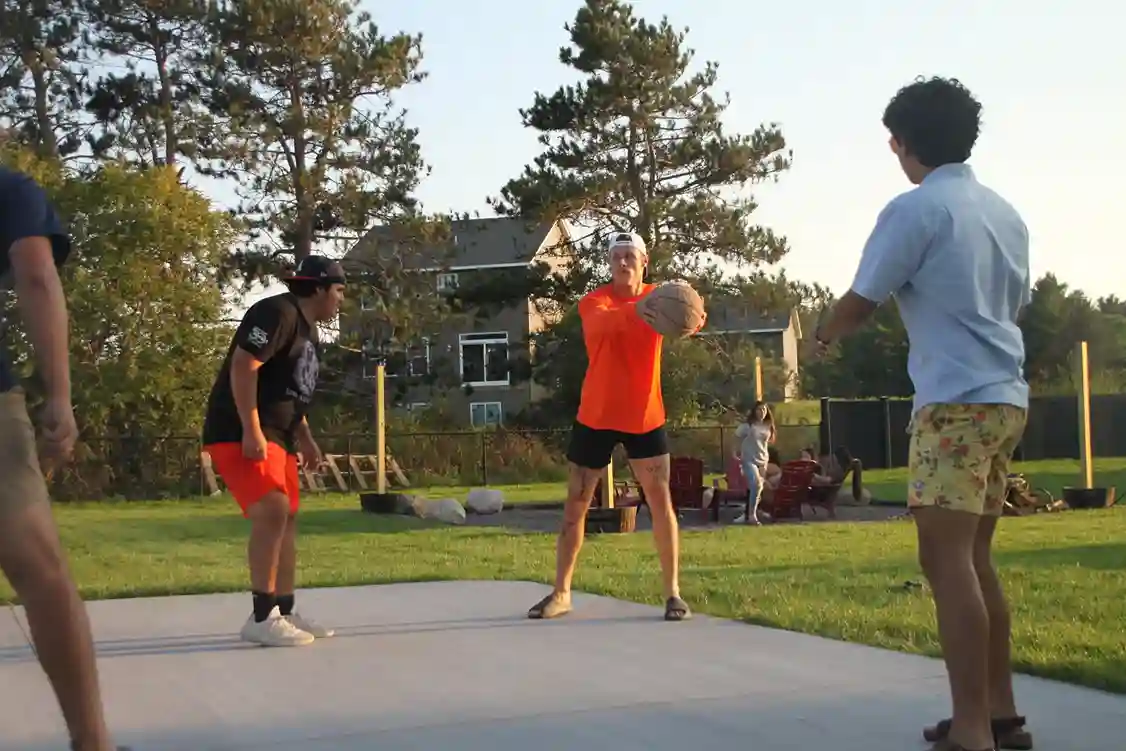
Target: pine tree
(639,145)
(303,89)
(151,114)
(42,81)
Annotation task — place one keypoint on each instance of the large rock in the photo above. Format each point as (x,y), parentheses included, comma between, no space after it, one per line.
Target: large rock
(484,501)
(446,510)
(390,503)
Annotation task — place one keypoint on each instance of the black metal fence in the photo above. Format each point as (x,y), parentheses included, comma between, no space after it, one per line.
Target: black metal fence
(169,467)
(875,430)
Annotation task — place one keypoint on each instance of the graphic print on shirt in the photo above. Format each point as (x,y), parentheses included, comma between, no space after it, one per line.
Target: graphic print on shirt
(305,372)
(258,337)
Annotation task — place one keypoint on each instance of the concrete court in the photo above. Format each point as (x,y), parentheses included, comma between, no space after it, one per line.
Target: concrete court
(457,666)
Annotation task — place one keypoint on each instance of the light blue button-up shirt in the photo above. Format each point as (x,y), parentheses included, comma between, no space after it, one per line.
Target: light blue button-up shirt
(955,256)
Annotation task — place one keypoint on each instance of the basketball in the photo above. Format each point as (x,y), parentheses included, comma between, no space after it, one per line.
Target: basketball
(673,309)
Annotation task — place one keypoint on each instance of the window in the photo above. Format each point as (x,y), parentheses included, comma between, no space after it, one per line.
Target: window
(482,414)
(484,359)
(412,361)
(447,282)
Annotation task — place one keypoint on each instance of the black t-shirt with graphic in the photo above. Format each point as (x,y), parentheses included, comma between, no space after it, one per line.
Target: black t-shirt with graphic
(275,332)
(25,211)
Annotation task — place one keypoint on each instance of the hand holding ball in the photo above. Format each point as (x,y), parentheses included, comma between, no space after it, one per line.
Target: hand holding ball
(673,309)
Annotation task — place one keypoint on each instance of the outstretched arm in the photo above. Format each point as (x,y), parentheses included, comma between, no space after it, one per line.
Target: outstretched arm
(893,254)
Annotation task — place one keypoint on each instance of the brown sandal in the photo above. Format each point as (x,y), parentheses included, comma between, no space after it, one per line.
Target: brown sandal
(1008,733)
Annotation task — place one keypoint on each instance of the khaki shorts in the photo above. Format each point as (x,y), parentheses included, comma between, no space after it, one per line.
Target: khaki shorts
(960,454)
(23,482)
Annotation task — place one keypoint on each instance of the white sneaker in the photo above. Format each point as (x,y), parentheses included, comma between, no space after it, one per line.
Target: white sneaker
(275,631)
(308,626)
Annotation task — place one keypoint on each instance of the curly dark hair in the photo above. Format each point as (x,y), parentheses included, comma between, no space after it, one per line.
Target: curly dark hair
(936,119)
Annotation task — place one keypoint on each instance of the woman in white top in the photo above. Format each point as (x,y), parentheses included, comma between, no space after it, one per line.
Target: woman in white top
(755,436)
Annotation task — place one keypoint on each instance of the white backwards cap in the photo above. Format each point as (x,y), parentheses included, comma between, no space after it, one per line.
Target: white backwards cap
(626,239)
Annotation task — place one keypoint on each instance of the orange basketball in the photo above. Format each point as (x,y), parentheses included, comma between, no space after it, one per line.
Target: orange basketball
(673,309)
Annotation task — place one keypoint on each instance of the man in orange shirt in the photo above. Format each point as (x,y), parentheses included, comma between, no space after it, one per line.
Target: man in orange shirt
(621,403)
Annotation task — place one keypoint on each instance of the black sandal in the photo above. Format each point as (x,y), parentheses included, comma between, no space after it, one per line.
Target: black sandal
(549,607)
(1008,733)
(676,609)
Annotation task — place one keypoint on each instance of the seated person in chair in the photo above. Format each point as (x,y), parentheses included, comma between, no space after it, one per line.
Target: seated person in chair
(829,472)
(773,469)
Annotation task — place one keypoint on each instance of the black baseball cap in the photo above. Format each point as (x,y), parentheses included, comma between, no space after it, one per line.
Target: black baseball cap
(317,269)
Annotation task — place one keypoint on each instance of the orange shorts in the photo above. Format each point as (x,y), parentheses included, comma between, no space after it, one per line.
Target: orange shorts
(249,480)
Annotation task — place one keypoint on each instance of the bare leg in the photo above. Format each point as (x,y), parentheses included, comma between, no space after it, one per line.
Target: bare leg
(286,582)
(33,560)
(946,553)
(581,483)
(268,521)
(1001,701)
(653,476)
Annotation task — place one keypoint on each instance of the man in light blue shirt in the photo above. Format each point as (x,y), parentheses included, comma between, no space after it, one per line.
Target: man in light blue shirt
(954,254)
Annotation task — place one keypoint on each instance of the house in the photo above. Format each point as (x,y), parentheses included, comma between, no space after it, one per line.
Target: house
(480,351)
(776,336)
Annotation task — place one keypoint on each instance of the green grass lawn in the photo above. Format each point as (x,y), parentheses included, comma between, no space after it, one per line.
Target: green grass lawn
(1052,475)
(1064,572)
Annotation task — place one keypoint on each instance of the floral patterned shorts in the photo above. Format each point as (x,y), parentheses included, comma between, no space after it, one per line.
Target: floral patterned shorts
(959,456)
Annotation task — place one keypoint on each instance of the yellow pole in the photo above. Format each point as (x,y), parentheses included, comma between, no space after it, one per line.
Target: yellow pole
(1083,389)
(380,430)
(758,379)
(608,485)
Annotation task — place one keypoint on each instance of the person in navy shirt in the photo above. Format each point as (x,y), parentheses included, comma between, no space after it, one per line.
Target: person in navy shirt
(31,556)
(954,254)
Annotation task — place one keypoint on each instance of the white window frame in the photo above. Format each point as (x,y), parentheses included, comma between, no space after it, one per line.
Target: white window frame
(482,339)
(485,407)
(429,363)
(447,282)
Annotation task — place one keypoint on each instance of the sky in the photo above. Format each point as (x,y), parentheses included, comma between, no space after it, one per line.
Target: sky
(1048,75)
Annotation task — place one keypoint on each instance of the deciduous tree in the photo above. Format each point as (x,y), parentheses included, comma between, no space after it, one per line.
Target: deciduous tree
(147,324)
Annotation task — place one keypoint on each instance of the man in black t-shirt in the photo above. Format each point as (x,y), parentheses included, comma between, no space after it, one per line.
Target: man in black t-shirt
(254,429)
(34,243)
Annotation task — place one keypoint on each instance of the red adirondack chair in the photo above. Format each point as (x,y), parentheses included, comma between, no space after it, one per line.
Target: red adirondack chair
(736,491)
(626,493)
(686,482)
(792,490)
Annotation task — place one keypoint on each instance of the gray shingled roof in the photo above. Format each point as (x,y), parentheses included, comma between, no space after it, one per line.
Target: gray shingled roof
(478,242)
(734,316)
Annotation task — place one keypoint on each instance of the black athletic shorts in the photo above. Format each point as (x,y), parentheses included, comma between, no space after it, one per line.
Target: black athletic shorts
(592,448)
